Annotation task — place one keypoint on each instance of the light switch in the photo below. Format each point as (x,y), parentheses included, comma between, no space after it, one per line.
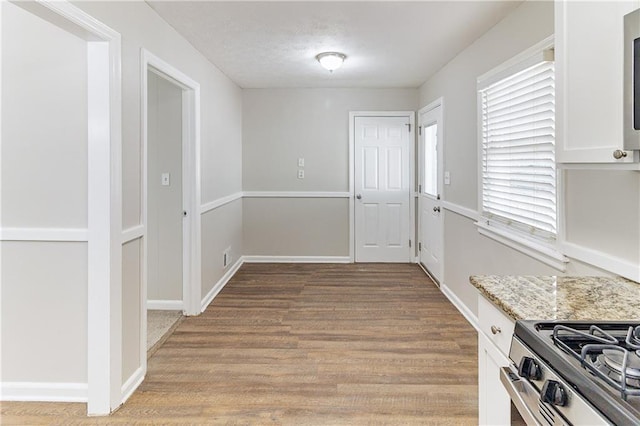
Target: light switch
(300,174)
(447,178)
(166,179)
(300,162)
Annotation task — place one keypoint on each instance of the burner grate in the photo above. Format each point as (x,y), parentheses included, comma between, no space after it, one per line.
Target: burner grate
(588,346)
(633,338)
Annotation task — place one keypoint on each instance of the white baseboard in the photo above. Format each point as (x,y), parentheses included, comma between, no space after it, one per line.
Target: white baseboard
(464,310)
(297,259)
(165,305)
(132,383)
(221,283)
(43,392)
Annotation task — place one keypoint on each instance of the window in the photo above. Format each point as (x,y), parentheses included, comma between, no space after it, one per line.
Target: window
(517,138)
(431,159)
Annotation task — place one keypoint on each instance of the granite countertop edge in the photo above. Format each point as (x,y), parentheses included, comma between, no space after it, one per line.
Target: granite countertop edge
(561,298)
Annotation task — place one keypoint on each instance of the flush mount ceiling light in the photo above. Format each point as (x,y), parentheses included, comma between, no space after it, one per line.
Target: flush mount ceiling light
(331,60)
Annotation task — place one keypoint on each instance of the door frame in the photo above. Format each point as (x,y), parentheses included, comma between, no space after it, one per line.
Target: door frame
(104,199)
(438,103)
(191,237)
(412,188)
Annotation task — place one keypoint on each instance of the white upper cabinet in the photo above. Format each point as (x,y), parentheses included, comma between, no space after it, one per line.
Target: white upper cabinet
(589,81)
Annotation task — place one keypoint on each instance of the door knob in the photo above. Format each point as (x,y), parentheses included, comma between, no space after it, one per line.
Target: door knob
(359,197)
(436,209)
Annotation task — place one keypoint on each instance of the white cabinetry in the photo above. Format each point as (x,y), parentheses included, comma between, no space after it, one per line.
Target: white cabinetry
(589,80)
(494,340)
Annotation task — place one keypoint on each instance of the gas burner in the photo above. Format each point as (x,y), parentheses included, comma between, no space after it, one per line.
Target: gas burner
(611,362)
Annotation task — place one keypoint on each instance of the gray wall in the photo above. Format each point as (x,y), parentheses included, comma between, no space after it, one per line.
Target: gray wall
(281,125)
(164,208)
(44,182)
(466,251)
(603,211)
(44,185)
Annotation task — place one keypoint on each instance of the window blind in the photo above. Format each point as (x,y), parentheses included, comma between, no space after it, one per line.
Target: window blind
(518,151)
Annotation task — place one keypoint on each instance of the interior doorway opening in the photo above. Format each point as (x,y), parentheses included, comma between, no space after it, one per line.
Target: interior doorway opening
(171,197)
(164,208)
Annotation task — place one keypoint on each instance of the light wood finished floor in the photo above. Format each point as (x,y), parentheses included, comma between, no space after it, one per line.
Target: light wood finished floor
(363,344)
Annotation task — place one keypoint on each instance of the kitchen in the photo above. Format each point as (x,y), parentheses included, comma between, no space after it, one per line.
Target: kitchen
(601,198)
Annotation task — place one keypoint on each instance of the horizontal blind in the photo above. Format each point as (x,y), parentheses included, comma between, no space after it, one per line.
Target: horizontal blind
(518,151)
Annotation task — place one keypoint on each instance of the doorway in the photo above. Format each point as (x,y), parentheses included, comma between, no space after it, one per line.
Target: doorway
(164,194)
(164,207)
(171,199)
(382,183)
(430,218)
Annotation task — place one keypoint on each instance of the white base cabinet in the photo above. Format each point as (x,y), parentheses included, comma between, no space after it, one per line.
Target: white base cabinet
(494,340)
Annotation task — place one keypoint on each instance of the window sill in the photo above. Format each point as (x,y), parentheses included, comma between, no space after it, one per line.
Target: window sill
(544,253)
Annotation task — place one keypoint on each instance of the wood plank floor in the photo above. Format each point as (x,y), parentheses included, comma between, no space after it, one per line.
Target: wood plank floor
(301,344)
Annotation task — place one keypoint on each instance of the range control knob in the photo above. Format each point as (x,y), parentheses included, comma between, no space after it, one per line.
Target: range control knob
(553,393)
(529,369)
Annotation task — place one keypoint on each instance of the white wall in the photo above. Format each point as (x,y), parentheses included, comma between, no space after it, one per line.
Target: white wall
(44,185)
(164,208)
(466,251)
(281,125)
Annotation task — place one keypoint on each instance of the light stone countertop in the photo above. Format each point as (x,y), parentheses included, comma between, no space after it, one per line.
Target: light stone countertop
(562,298)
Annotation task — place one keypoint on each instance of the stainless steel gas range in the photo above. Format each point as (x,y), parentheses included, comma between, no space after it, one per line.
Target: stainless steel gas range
(575,372)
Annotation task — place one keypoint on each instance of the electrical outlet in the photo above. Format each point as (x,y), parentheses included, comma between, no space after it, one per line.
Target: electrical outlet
(300,174)
(447,178)
(300,162)
(226,257)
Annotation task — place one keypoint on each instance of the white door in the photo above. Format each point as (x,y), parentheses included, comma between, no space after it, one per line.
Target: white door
(430,227)
(382,189)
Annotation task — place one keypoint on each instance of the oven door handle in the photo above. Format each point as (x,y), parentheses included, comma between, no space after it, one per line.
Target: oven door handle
(515,386)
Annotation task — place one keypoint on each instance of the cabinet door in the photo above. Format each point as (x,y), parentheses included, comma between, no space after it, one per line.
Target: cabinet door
(589,80)
(494,402)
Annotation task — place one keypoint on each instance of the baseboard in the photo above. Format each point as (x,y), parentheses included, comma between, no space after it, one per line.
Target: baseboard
(132,383)
(464,310)
(297,259)
(165,305)
(43,392)
(221,283)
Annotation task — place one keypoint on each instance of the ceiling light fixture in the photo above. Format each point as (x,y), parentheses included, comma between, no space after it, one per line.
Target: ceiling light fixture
(331,60)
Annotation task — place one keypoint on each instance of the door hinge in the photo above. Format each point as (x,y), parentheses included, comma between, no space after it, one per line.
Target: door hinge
(409,243)
(420,130)
(419,189)
(408,126)
(419,246)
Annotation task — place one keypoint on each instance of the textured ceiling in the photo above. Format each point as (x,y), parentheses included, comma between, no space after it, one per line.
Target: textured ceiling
(388,44)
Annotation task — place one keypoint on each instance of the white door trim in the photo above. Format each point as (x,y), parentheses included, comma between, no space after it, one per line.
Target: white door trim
(424,110)
(104,138)
(191,272)
(352,117)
